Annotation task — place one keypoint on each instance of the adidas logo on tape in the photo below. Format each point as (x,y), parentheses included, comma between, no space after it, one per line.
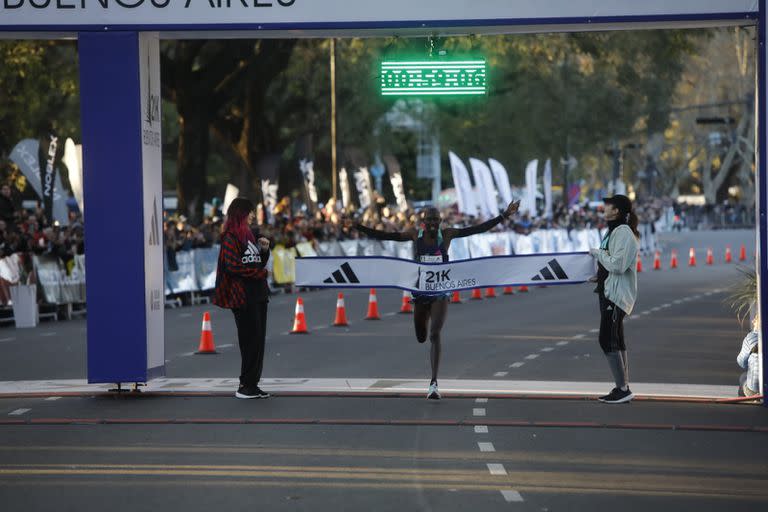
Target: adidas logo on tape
(251,254)
(552,272)
(338,276)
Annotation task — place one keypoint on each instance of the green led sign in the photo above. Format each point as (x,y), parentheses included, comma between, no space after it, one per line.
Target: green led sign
(429,78)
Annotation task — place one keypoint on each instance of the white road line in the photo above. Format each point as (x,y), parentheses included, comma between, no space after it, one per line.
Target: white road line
(185,315)
(18,412)
(500,374)
(645,313)
(547,349)
(481,401)
(6,339)
(497,469)
(187,354)
(564,343)
(532,356)
(47,334)
(677,302)
(481,429)
(594,330)
(579,336)
(486,447)
(512,496)
(53,398)
(227,345)
(665,306)
(390,314)
(517,364)
(478,412)
(655,309)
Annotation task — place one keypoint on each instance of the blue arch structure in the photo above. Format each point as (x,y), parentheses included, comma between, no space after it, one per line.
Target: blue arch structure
(118,43)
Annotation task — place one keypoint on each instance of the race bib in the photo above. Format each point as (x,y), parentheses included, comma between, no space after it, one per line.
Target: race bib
(425,258)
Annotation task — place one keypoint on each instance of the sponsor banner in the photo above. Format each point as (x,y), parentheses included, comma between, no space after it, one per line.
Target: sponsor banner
(502,181)
(283,264)
(50,153)
(464,193)
(548,189)
(307,168)
(529,204)
(183,279)
(205,267)
(380,13)
(25,155)
(377,272)
(486,192)
(364,188)
(346,194)
(396,179)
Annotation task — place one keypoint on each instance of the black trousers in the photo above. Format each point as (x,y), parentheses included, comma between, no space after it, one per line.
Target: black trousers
(251,324)
(611,326)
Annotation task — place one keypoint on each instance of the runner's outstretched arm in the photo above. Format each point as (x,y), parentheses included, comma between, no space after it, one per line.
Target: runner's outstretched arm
(485,226)
(400,236)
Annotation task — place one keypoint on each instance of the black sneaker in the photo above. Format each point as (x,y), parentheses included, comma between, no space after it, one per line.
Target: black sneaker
(260,393)
(618,396)
(246,392)
(609,395)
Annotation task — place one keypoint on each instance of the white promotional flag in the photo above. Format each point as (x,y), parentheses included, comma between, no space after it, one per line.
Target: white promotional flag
(464,193)
(548,189)
(73,159)
(229,195)
(502,180)
(307,168)
(530,188)
(381,272)
(344,185)
(364,188)
(486,190)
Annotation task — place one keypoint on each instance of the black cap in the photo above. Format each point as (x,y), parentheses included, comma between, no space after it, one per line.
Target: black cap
(623,203)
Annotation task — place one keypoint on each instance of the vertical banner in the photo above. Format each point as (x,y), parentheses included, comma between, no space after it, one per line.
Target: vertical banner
(530,188)
(307,168)
(152,184)
(26,155)
(229,195)
(364,188)
(464,193)
(268,171)
(396,179)
(548,189)
(50,153)
(486,191)
(502,181)
(73,159)
(346,200)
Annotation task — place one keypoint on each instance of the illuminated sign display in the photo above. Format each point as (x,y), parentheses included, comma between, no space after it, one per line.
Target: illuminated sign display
(429,78)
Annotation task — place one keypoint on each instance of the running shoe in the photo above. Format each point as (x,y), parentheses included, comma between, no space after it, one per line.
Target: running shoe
(609,395)
(248,392)
(433,393)
(618,396)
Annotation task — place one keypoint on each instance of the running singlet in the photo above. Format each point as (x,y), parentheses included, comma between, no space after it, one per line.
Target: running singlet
(430,254)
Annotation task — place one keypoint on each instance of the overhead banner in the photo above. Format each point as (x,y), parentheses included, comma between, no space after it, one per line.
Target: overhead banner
(383,272)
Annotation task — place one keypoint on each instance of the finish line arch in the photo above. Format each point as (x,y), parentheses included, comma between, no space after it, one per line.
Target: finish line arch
(118,45)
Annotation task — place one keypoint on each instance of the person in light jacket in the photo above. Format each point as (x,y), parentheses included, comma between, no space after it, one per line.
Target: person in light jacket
(617,289)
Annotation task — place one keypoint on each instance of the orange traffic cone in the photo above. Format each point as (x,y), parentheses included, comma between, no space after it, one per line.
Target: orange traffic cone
(673,262)
(206,337)
(728,255)
(508,290)
(299,322)
(710,257)
(406,307)
(373,306)
(523,289)
(341,312)
(490,293)
(743,253)
(657,261)
(456,298)
(476,294)
(639,264)
(692,257)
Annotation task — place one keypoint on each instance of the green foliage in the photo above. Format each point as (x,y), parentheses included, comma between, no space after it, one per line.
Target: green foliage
(743,293)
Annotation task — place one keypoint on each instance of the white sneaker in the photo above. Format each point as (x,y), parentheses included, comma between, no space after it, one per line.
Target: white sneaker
(433,393)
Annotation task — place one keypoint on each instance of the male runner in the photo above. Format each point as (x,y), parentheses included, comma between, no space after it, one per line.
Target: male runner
(431,245)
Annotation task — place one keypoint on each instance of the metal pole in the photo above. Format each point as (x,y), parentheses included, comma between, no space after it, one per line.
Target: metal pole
(334,174)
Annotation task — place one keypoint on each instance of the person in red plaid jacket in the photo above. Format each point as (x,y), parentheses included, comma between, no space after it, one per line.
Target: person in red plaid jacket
(241,285)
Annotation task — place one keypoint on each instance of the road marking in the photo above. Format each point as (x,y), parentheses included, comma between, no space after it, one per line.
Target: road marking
(594,330)
(478,412)
(532,356)
(512,496)
(645,313)
(677,302)
(517,364)
(185,315)
(6,339)
(579,336)
(18,412)
(547,349)
(486,447)
(227,345)
(500,374)
(481,429)
(665,306)
(564,343)
(497,469)
(47,334)
(390,314)
(655,309)
(53,398)
(187,354)
(482,401)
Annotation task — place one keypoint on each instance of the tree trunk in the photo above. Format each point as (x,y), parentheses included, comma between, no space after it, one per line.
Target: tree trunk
(712,183)
(192,158)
